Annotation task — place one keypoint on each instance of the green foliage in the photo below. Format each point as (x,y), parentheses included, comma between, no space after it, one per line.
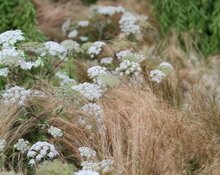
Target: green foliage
(200,18)
(89,1)
(55,168)
(20,14)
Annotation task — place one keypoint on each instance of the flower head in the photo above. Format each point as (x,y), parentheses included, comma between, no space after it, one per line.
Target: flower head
(157,75)
(22,145)
(40,151)
(89,90)
(95,71)
(55,132)
(2,144)
(106,60)
(96,48)
(10,38)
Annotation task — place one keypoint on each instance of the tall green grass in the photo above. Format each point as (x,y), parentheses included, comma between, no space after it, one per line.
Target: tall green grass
(20,14)
(201,18)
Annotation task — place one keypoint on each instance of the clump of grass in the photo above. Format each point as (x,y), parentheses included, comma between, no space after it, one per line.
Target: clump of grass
(20,14)
(199,19)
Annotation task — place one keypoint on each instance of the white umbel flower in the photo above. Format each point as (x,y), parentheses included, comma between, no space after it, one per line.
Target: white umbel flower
(14,58)
(10,38)
(96,48)
(55,132)
(87,152)
(123,53)
(15,96)
(83,23)
(55,49)
(137,57)
(27,65)
(11,57)
(83,38)
(128,24)
(2,144)
(95,71)
(73,34)
(32,162)
(106,60)
(86,172)
(165,65)
(40,151)
(38,63)
(70,46)
(90,165)
(4,72)
(89,90)
(22,145)
(109,10)
(157,75)
(18,96)
(128,67)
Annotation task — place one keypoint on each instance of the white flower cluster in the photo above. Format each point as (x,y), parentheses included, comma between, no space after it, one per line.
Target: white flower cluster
(88,164)
(165,65)
(123,53)
(14,58)
(55,132)
(11,57)
(89,90)
(10,38)
(15,96)
(157,75)
(105,165)
(71,46)
(109,10)
(106,60)
(95,111)
(28,65)
(96,48)
(39,62)
(41,150)
(83,23)
(65,78)
(55,49)
(18,96)
(128,67)
(73,34)
(2,144)
(95,71)
(87,152)
(86,172)
(84,38)
(22,145)
(128,24)
(4,72)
